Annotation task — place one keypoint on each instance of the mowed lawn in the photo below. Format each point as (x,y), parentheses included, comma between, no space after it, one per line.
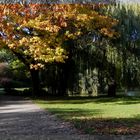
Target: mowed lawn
(104,115)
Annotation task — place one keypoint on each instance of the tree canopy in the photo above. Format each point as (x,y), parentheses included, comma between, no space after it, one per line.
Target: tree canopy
(40,33)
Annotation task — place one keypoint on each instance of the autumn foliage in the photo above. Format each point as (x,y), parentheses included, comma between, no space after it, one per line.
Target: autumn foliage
(37,32)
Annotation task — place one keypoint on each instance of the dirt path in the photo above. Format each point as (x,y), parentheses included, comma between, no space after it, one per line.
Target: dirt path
(21,117)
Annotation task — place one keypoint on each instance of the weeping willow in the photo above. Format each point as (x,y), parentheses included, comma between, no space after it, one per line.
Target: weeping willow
(128,47)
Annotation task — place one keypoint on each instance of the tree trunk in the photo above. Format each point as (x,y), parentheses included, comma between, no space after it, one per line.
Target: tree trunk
(112,89)
(112,82)
(35,82)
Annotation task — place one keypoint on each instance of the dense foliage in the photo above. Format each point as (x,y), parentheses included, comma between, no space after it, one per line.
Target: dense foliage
(126,51)
(39,34)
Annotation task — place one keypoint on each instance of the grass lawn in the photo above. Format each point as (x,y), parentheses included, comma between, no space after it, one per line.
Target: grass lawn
(104,115)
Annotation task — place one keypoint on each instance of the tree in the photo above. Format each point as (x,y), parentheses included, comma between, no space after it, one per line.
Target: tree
(39,33)
(127,54)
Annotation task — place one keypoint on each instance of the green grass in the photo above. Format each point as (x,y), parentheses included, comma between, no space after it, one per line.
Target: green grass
(98,115)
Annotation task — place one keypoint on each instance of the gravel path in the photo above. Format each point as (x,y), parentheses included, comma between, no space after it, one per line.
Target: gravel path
(21,117)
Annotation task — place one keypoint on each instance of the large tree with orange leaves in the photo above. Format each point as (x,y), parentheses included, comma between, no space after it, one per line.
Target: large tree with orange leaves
(37,33)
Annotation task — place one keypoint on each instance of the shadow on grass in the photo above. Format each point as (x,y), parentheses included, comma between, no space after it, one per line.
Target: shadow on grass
(119,100)
(91,123)
(104,126)
(75,112)
(82,100)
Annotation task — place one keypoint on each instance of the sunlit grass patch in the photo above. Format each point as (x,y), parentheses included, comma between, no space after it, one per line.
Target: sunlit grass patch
(98,115)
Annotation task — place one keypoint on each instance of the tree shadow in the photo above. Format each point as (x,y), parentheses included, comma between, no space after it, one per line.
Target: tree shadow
(6,100)
(108,126)
(75,112)
(119,100)
(25,123)
(99,100)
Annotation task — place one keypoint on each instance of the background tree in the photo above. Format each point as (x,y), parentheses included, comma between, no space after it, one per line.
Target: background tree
(127,48)
(13,69)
